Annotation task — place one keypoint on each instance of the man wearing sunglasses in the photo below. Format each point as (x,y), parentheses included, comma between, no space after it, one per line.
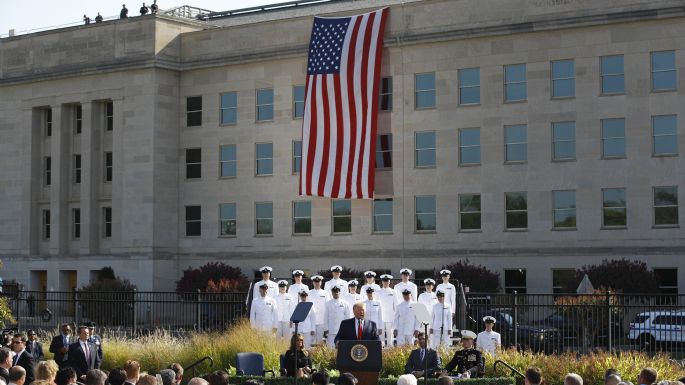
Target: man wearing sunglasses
(22,357)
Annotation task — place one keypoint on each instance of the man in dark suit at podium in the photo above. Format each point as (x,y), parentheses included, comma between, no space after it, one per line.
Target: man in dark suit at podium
(357,328)
(416,364)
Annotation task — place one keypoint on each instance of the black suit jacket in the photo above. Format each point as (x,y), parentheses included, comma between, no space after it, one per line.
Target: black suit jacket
(56,344)
(27,362)
(5,374)
(415,363)
(348,330)
(77,358)
(36,351)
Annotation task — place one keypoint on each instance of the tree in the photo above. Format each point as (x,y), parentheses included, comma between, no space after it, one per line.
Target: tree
(477,277)
(212,277)
(619,275)
(108,300)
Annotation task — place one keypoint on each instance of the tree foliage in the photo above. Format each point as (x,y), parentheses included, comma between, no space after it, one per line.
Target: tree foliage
(108,300)
(621,275)
(213,277)
(477,277)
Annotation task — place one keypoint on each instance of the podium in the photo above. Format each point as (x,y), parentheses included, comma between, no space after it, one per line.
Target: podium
(362,358)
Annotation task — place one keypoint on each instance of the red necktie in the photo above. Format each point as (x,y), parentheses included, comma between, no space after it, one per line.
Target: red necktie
(359,330)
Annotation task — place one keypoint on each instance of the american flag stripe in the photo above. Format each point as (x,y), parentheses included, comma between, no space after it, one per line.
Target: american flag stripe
(341,106)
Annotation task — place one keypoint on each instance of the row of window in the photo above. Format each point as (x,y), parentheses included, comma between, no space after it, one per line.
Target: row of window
(78,118)
(76,168)
(562,77)
(76,223)
(614,213)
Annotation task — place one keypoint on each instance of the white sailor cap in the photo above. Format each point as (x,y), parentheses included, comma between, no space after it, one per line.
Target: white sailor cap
(440,293)
(264,285)
(429,281)
(406,291)
(335,288)
(303,292)
(317,278)
(386,277)
(298,272)
(336,268)
(468,335)
(489,319)
(370,289)
(445,272)
(353,282)
(283,282)
(369,274)
(265,269)
(405,271)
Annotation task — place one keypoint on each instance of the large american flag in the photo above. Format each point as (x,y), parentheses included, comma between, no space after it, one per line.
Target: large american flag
(341,106)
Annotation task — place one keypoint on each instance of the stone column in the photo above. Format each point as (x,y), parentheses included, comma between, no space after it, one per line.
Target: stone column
(92,123)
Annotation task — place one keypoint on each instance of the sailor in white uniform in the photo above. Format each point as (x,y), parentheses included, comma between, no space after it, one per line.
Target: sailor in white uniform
(295,289)
(266,278)
(308,326)
(370,277)
(428,297)
(336,311)
(406,284)
(352,296)
(285,304)
(405,323)
(449,290)
(389,301)
(336,270)
(489,340)
(264,312)
(441,322)
(374,310)
(319,297)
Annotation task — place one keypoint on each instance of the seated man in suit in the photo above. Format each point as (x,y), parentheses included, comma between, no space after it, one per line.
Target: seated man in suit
(357,328)
(416,364)
(83,354)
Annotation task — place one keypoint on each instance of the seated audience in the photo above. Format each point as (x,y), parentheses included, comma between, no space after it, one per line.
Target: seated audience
(416,363)
(533,376)
(198,381)
(445,380)
(347,379)
(116,376)
(65,376)
(178,369)
(407,379)
(320,378)
(147,380)
(218,377)
(647,376)
(96,377)
(132,369)
(573,379)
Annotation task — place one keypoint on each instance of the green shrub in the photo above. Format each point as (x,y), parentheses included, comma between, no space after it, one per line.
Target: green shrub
(239,380)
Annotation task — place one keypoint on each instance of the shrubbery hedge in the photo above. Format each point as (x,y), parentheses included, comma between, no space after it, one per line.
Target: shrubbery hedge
(239,380)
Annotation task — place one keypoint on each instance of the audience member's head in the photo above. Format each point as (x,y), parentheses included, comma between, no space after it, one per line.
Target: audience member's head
(667,382)
(5,358)
(445,380)
(682,379)
(96,377)
(406,379)
(65,376)
(319,378)
(612,379)
(168,376)
(573,379)
(17,375)
(609,372)
(647,376)
(533,376)
(46,370)
(132,369)
(117,376)
(178,369)
(218,377)
(625,383)
(147,380)
(347,379)
(198,381)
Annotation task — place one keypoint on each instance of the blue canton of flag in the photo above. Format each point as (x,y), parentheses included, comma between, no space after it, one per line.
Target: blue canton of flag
(325,48)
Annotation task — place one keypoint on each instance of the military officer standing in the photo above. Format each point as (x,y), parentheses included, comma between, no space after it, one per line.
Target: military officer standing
(370,277)
(264,312)
(266,278)
(285,305)
(489,340)
(405,323)
(336,311)
(389,301)
(352,296)
(319,297)
(449,290)
(374,310)
(295,289)
(428,297)
(336,280)
(308,326)
(94,338)
(405,284)
(441,322)
(467,362)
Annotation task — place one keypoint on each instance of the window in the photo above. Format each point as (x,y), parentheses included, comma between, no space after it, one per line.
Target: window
(227,161)
(665,135)
(264,158)
(384,151)
(612,74)
(613,138)
(469,86)
(227,221)
(108,166)
(469,146)
(77,169)
(425,149)
(424,94)
(264,218)
(342,216)
(425,213)
(46,224)
(194,111)
(109,116)
(193,221)
(229,107)
(78,119)
(515,280)
(614,207)
(48,122)
(382,215)
(302,217)
(107,222)
(668,280)
(564,209)
(298,102)
(48,170)
(76,223)
(564,140)
(663,71)
(516,143)
(386,94)
(265,104)
(666,206)
(515,83)
(516,204)
(469,212)
(562,279)
(193,163)
(297,156)
(563,79)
